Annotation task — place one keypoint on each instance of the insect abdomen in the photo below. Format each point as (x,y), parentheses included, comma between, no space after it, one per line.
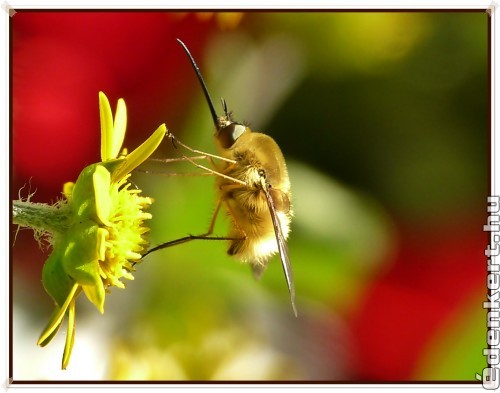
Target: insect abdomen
(252,222)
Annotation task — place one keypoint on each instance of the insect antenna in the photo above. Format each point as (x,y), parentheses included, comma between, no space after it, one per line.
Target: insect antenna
(202,82)
(224,107)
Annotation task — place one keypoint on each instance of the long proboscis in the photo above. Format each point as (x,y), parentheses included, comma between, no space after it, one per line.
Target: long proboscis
(202,82)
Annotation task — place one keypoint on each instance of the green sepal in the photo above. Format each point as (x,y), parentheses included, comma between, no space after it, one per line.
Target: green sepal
(113,165)
(57,317)
(55,280)
(83,193)
(80,260)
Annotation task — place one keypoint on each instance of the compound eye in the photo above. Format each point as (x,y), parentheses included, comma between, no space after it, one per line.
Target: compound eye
(229,134)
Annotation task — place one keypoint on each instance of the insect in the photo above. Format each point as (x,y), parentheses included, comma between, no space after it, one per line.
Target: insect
(253,186)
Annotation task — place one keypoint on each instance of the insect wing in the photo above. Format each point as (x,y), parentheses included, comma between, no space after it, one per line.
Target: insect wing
(282,246)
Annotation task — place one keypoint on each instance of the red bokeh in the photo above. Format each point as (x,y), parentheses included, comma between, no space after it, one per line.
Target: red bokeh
(60,61)
(436,271)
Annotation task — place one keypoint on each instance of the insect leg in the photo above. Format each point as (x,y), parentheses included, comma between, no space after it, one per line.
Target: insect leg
(214,217)
(230,209)
(170,161)
(172,174)
(202,155)
(207,171)
(205,236)
(176,142)
(177,159)
(209,156)
(185,240)
(217,173)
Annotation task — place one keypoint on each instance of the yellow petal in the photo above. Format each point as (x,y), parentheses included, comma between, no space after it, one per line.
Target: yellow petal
(139,155)
(119,127)
(106,128)
(48,338)
(68,190)
(102,235)
(96,294)
(101,181)
(70,335)
(56,320)
(123,153)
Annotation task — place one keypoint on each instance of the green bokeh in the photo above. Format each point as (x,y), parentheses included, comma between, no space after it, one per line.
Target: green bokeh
(384,119)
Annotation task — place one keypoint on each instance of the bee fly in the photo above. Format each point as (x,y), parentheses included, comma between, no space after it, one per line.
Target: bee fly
(254,188)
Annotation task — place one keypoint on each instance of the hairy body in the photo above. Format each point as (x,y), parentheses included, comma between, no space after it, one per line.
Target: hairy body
(252,226)
(253,185)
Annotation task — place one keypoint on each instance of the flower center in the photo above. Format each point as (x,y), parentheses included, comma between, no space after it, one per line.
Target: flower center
(124,241)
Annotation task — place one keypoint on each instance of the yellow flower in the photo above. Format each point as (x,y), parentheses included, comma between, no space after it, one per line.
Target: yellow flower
(103,239)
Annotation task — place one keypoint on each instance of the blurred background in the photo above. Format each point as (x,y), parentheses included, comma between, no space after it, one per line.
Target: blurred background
(383,119)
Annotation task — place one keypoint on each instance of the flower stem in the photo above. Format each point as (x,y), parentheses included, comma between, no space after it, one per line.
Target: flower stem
(40,216)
